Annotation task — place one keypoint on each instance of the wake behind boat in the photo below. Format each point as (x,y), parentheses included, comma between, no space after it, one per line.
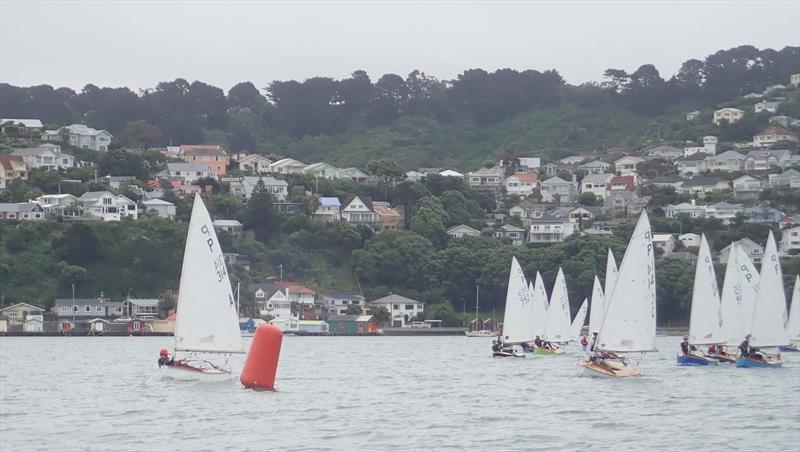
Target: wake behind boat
(207,322)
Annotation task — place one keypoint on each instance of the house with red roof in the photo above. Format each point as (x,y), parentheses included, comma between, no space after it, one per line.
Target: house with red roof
(622,183)
(521,184)
(210,155)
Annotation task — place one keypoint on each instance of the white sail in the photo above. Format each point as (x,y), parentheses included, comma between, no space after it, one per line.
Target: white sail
(630,321)
(598,306)
(577,322)
(793,325)
(539,297)
(769,313)
(558,324)
(517,318)
(206,318)
(705,319)
(748,281)
(734,324)
(611,275)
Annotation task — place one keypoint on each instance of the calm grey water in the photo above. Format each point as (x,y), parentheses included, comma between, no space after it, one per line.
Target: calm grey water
(385,393)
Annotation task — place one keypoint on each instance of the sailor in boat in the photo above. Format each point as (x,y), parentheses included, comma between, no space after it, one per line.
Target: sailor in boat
(604,359)
(746,351)
(164,359)
(688,348)
(593,341)
(584,343)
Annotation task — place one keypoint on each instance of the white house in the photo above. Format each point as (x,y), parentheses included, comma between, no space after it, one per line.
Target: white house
(553,227)
(557,188)
(358,211)
(528,210)
(272,300)
(401,309)
(689,166)
(189,172)
(322,170)
(414,176)
(691,210)
(731,115)
(724,211)
(597,184)
(753,250)
(287,166)
(626,166)
(510,232)
(21,211)
(762,160)
(595,167)
(528,164)
(233,227)
(45,156)
(329,209)
(700,185)
(692,115)
(709,147)
(255,163)
(462,230)
(728,161)
(107,206)
(451,173)
(354,174)
(764,105)
(337,303)
(747,186)
(789,179)
(486,178)
(521,184)
(58,205)
(159,208)
(80,136)
(664,242)
(790,240)
(19,312)
(25,126)
(690,240)
(772,135)
(244,186)
(143,308)
(666,152)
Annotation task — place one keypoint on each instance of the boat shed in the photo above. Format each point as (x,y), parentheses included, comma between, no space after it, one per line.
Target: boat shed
(352,325)
(312,328)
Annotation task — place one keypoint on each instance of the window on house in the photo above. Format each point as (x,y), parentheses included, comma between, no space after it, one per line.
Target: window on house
(99,309)
(75,308)
(396,306)
(409,307)
(88,308)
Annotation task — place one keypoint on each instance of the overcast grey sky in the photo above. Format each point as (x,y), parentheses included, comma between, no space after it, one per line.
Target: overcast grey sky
(139,43)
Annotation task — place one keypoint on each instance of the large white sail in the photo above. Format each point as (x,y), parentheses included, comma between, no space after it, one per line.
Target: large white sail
(769,313)
(577,322)
(206,318)
(705,320)
(630,321)
(598,306)
(539,306)
(558,324)
(611,275)
(734,324)
(517,318)
(793,325)
(748,281)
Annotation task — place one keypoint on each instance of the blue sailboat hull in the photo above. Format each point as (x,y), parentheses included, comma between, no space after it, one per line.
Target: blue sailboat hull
(790,348)
(684,360)
(747,362)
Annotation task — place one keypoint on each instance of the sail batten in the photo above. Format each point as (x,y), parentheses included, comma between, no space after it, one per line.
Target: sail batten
(705,319)
(206,317)
(629,324)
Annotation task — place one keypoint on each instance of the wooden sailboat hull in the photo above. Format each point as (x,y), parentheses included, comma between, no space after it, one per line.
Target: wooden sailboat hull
(615,369)
(687,360)
(749,362)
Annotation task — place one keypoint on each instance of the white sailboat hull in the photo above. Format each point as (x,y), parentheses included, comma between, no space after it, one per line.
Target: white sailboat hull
(591,369)
(192,373)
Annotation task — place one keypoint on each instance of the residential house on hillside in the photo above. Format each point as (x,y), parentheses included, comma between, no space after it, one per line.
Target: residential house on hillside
(731,115)
(573,159)
(159,208)
(784,121)
(61,205)
(354,174)
(288,208)
(45,156)
(389,219)
(287,166)
(595,167)
(188,172)
(622,183)
(358,211)
(709,147)
(87,308)
(700,185)
(451,173)
(764,215)
(692,115)
(20,312)
(486,178)
(414,176)
(558,190)
(337,303)
(322,170)
(765,105)
(521,184)
(789,179)
(107,206)
(690,166)
(580,214)
(244,186)
(597,184)
(510,232)
(747,186)
(212,156)
(624,203)
(527,209)
(21,211)
(664,151)
(80,136)
(553,227)
(790,241)
(271,300)
(401,309)
(462,230)
(21,127)
(616,152)
(254,163)
(690,210)
(232,227)
(529,164)
(753,250)
(690,240)
(664,242)
(724,211)
(328,210)
(12,167)
(143,308)
(118,182)
(554,168)
(666,181)
(626,166)
(772,135)
(728,161)
(762,160)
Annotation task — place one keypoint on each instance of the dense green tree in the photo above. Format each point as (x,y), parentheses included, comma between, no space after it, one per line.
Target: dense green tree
(261,217)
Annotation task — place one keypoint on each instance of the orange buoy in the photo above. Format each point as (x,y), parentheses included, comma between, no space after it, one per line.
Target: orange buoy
(261,363)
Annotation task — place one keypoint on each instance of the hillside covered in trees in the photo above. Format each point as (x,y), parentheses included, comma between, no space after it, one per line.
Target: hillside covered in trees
(419,120)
